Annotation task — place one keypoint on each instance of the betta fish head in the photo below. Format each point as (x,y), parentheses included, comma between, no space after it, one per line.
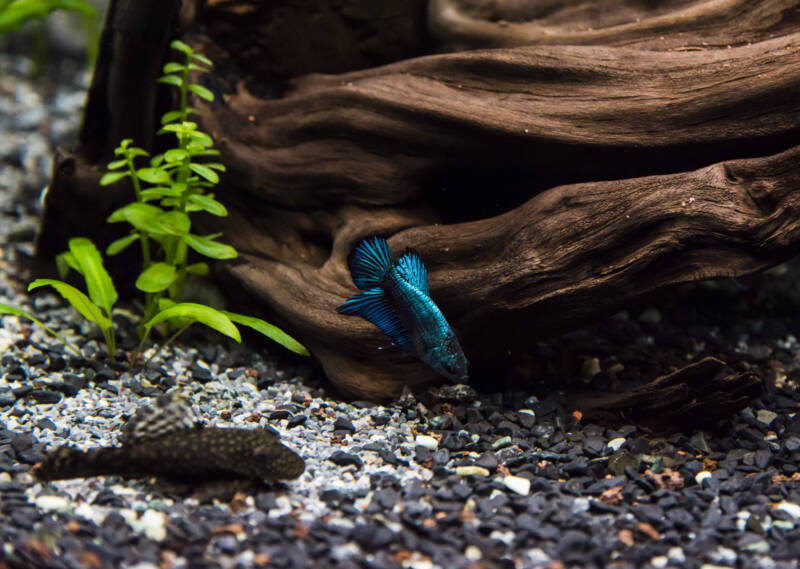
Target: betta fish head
(448,359)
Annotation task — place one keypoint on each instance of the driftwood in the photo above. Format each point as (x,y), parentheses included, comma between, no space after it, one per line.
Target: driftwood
(488,162)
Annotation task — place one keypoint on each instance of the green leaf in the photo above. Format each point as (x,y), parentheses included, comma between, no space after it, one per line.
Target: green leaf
(197,150)
(159,192)
(198,313)
(170,80)
(210,248)
(76,298)
(269,330)
(14,13)
(205,172)
(119,245)
(134,152)
(200,68)
(156,277)
(180,46)
(156,160)
(175,155)
(6,309)
(172,67)
(202,59)
(170,116)
(198,269)
(202,92)
(174,223)
(111,177)
(98,281)
(153,175)
(142,216)
(209,204)
(116,164)
(66,261)
(216,166)
(201,139)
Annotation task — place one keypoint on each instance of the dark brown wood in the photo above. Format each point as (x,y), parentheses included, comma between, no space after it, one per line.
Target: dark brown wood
(698,395)
(490,164)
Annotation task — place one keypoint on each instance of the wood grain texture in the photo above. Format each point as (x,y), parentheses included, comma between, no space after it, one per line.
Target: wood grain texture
(545,184)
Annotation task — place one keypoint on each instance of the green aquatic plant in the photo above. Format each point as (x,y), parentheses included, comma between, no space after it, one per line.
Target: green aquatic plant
(14,13)
(173,185)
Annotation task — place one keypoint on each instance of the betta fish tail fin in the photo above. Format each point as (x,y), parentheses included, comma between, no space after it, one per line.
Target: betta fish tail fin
(374,305)
(411,268)
(369,262)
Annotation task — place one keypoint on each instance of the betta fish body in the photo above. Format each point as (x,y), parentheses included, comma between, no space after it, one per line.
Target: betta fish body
(395,298)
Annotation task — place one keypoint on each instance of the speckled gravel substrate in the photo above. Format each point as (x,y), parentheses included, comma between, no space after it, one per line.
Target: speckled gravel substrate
(448,479)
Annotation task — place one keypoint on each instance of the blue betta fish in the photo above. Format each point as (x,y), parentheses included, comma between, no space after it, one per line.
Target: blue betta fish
(396,300)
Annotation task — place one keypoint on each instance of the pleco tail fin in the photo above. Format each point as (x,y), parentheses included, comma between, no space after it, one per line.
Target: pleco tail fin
(369,262)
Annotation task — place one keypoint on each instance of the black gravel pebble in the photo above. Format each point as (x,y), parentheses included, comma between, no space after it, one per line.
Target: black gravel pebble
(342,458)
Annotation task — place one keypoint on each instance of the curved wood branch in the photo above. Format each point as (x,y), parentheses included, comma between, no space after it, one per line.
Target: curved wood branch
(689,24)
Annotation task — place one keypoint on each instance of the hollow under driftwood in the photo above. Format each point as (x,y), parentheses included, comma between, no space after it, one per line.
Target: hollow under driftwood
(544,185)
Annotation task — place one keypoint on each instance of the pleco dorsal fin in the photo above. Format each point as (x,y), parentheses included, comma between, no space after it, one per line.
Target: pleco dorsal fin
(171,413)
(375,306)
(411,269)
(369,262)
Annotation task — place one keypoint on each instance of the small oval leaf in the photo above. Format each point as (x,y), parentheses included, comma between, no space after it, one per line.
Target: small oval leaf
(205,172)
(210,248)
(111,177)
(156,277)
(180,46)
(209,204)
(119,245)
(170,80)
(202,92)
(153,175)
(174,223)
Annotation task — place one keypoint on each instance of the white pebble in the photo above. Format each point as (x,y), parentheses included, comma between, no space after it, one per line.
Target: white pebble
(676,555)
(152,524)
(53,504)
(790,508)
(427,442)
(616,444)
(471,470)
(766,416)
(517,484)
(472,553)
(702,475)
(506,537)
(659,561)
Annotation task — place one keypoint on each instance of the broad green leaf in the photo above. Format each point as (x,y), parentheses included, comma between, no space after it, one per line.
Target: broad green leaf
(119,245)
(202,92)
(66,261)
(198,269)
(116,164)
(156,277)
(199,313)
(205,172)
(14,13)
(156,160)
(153,175)
(98,281)
(269,330)
(180,46)
(209,204)
(172,67)
(170,80)
(170,116)
(174,223)
(175,155)
(142,216)
(111,177)
(210,248)
(202,59)
(76,298)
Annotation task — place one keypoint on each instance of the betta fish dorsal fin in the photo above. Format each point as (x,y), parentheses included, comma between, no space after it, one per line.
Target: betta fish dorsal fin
(412,270)
(369,262)
(374,305)
(172,413)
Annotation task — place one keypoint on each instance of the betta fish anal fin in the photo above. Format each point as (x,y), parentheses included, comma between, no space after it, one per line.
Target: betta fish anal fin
(369,262)
(172,413)
(410,267)
(375,306)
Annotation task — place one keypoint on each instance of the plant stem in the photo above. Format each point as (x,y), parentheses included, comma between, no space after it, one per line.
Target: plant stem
(167,343)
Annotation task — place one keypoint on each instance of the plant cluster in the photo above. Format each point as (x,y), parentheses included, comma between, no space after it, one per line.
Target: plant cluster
(168,189)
